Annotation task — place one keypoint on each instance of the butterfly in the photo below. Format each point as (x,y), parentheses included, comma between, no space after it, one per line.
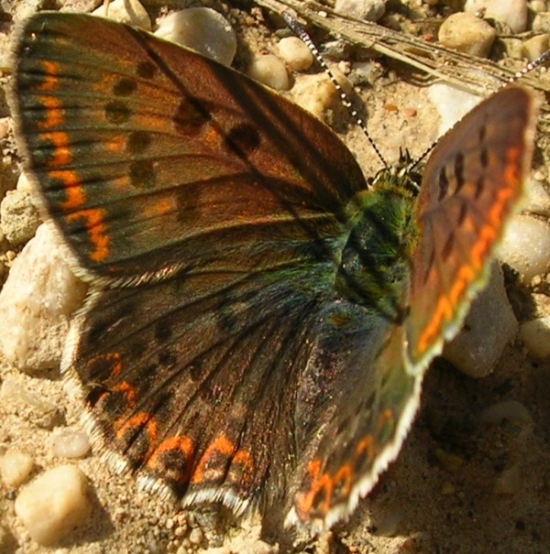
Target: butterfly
(260,319)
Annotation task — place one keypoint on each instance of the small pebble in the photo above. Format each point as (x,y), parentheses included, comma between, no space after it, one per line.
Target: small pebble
(541,23)
(535,335)
(70,443)
(365,73)
(196,536)
(15,467)
(315,93)
(525,247)
(509,410)
(270,71)
(295,53)
(388,526)
(467,33)
(509,481)
(19,216)
(202,29)
(252,546)
(538,198)
(447,488)
(534,47)
(125,11)
(52,505)
(538,6)
(448,461)
(370,10)
(24,183)
(511,12)
(4,127)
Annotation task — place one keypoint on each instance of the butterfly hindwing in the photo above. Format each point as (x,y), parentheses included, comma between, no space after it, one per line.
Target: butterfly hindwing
(192,376)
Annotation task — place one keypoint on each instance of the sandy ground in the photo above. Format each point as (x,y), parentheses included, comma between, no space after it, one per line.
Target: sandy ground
(450,490)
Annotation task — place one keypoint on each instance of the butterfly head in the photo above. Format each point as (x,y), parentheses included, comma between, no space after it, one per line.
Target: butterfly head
(402,176)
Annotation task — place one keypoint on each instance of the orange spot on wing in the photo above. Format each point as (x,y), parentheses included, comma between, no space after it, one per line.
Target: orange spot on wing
(345,475)
(159,208)
(511,173)
(128,392)
(54,113)
(73,189)
(182,445)
(228,449)
(98,236)
(366,445)
(51,70)
(319,483)
(244,459)
(112,358)
(211,138)
(116,144)
(220,445)
(385,417)
(142,422)
(62,154)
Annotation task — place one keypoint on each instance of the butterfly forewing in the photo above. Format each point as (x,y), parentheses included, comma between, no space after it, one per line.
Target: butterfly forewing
(150,156)
(473,181)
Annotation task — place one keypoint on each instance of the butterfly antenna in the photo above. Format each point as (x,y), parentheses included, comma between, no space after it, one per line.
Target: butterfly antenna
(544,57)
(298,30)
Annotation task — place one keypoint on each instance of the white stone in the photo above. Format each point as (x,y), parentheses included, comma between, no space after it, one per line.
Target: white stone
(295,53)
(15,467)
(202,29)
(489,327)
(535,335)
(451,104)
(125,11)
(467,33)
(526,247)
(509,410)
(270,71)
(371,10)
(36,303)
(511,12)
(54,504)
(70,443)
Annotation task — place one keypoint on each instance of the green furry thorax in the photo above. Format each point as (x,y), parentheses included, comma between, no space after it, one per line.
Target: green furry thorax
(375,262)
